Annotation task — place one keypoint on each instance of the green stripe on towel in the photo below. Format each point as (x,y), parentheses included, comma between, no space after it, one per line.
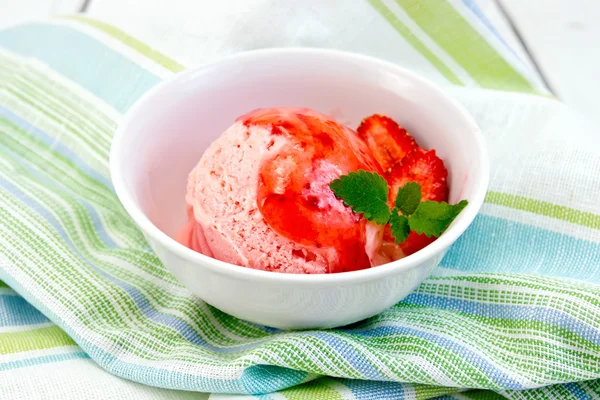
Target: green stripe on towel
(449,29)
(415,42)
(130,41)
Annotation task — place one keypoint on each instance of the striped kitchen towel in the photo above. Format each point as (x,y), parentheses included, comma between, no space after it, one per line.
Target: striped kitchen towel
(512,312)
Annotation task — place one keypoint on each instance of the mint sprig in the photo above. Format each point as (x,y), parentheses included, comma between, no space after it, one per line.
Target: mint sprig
(400,226)
(367,193)
(408,198)
(432,218)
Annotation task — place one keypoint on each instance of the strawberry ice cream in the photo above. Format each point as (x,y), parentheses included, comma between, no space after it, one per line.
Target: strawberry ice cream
(260,196)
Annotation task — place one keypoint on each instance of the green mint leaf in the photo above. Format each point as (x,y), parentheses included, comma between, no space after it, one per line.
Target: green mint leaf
(432,218)
(408,198)
(366,192)
(429,227)
(399,226)
(457,208)
(434,210)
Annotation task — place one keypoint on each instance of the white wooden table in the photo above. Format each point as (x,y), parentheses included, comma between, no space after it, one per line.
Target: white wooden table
(559,38)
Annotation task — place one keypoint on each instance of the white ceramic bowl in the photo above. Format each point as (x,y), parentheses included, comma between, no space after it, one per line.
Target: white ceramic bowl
(164,135)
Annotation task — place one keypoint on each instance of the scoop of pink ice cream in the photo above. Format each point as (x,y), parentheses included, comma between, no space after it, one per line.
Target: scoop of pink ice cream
(260,196)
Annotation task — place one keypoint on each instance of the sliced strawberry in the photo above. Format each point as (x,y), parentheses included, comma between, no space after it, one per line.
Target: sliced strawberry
(389,142)
(425,168)
(414,243)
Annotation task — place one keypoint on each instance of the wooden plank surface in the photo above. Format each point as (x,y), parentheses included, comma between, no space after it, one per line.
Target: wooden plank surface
(15,11)
(563,37)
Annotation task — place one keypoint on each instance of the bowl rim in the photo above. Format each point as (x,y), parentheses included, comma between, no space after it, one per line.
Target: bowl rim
(444,241)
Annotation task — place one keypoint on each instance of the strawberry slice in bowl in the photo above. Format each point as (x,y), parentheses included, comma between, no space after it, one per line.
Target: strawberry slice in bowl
(428,170)
(403,161)
(389,142)
(423,167)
